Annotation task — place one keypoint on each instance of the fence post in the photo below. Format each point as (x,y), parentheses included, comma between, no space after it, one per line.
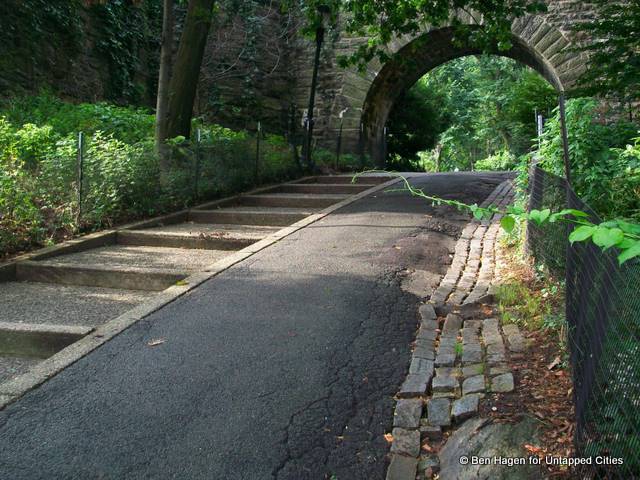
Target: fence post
(339,145)
(565,140)
(196,179)
(536,191)
(80,177)
(257,166)
(361,144)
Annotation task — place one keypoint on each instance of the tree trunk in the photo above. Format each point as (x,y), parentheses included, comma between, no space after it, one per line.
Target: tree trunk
(186,70)
(162,102)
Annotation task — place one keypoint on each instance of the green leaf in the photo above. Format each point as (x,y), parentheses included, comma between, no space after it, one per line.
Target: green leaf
(478,214)
(627,227)
(581,234)
(607,237)
(629,253)
(539,216)
(574,212)
(507,223)
(627,243)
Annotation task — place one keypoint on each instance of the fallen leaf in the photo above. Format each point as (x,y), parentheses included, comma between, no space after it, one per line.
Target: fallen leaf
(554,364)
(426,447)
(158,341)
(532,449)
(388,437)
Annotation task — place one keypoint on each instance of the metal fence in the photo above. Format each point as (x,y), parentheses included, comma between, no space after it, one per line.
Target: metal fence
(603,320)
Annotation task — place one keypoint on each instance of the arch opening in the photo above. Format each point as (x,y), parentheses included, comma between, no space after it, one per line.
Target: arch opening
(415,60)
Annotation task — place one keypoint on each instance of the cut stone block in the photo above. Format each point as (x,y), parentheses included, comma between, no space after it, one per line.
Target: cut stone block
(421,351)
(465,407)
(439,412)
(402,468)
(495,348)
(406,442)
(489,323)
(444,384)
(431,325)
(474,325)
(445,360)
(469,336)
(471,356)
(448,372)
(421,366)
(502,383)
(427,312)
(491,338)
(415,384)
(426,343)
(499,370)
(472,370)
(407,414)
(510,329)
(495,359)
(473,385)
(446,350)
(429,335)
(448,342)
(452,323)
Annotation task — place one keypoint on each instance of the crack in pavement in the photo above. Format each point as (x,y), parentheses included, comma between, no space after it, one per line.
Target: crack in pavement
(343,436)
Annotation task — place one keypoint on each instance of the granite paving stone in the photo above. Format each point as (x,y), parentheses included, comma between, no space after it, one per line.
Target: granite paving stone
(502,383)
(439,412)
(444,384)
(473,384)
(408,413)
(406,442)
(465,407)
(402,468)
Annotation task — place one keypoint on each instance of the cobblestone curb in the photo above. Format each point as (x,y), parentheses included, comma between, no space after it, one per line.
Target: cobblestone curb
(471,273)
(455,361)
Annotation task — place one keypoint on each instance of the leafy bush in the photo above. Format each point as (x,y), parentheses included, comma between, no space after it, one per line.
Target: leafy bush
(121,175)
(503,160)
(605,172)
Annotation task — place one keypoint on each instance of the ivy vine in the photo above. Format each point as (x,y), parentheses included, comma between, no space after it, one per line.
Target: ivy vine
(617,233)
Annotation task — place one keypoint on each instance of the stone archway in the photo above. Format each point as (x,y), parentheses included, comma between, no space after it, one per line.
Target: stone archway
(543,42)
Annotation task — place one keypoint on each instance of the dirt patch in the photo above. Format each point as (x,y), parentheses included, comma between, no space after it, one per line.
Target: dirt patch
(543,394)
(423,259)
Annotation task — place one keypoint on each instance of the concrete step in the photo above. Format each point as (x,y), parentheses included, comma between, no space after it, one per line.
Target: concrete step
(130,278)
(37,340)
(370,180)
(47,303)
(121,266)
(159,238)
(11,366)
(300,200)
(197,235)
(320,188)
(251,215)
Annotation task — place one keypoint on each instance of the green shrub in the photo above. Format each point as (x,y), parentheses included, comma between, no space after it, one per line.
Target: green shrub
(503,160)
(121,176)
(604,172)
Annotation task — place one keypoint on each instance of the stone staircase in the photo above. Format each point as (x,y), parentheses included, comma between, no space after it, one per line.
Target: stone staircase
(54,297)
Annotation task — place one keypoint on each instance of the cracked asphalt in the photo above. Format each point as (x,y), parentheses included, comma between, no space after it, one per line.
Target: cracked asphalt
(282,367)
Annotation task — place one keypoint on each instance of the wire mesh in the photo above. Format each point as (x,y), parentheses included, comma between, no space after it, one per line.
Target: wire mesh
(603,318)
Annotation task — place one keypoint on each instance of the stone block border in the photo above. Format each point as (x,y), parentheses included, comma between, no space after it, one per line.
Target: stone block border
(455,360)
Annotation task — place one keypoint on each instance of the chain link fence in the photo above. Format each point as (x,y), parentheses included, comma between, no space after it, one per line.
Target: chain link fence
(603,319)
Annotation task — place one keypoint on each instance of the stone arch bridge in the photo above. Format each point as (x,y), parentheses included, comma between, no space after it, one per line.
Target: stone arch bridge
(544,42)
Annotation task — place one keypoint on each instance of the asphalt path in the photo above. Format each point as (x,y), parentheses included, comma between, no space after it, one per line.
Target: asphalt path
(282,367)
